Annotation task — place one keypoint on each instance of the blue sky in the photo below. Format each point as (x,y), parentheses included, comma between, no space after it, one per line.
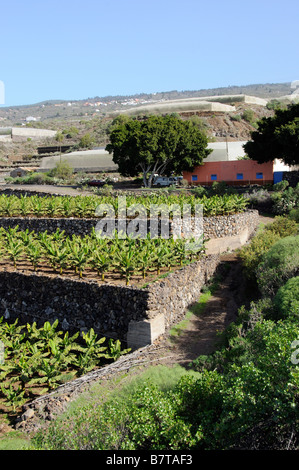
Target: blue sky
(70,49)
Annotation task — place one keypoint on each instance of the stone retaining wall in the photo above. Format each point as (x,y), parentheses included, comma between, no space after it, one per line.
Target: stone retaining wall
(113,311)
(213,227)
(136,316)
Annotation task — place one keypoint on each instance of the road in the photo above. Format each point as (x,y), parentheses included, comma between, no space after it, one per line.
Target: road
(45,188)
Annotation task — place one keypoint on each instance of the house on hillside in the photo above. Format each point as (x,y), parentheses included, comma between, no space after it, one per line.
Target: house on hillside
(235,172)
(226,163)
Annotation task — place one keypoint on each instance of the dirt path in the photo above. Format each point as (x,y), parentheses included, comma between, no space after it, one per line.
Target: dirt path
(200,336)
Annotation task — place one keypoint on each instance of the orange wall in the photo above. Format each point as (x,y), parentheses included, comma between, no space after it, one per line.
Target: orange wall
(227,171)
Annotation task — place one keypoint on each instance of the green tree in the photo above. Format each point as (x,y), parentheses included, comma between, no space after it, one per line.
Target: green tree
(276,137)
(156,144)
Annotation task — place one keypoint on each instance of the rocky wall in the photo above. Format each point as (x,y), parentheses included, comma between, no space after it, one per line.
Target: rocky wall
(81,305)
(213,227)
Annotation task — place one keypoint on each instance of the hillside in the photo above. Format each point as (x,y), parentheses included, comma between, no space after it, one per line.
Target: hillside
(52,111)
(93,116)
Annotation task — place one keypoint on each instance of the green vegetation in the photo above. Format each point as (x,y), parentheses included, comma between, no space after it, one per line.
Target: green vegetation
(286,300)
(248,115)
(37,360)
(253,253)
(156,144)
(276,137)
(279,263)
(123,256)
(61,171)
(85,206)
(243,396)
(196,309)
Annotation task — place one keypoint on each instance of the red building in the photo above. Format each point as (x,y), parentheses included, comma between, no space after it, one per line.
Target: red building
(236,172)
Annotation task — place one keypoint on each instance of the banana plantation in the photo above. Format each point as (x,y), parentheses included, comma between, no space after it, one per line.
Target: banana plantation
(85,206)
(37,360)
(123,257)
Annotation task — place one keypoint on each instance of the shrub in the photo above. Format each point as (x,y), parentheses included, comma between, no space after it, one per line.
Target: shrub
(248,115)
(62,170)
(251,255)
(286,301)
(259,199)
(279,264)
(294,215)
(281,185)
(285,201)
(283,226)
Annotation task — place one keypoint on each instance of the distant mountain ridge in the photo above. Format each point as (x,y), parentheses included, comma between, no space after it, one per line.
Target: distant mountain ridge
(48,112)
(267,91)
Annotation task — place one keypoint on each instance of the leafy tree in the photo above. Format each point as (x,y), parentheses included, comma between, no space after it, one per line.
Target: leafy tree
(155,145)
(276,137)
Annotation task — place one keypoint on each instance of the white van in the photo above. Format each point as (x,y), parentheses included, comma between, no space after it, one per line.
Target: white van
(165,181)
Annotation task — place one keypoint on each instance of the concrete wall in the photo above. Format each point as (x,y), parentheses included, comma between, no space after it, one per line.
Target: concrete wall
(181,105)
(94,160)
(24,133)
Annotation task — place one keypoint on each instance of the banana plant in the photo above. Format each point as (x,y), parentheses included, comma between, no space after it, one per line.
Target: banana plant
(34,253)
(25,367)
(52,206)
(126,264)
(93,344)
(50,373)
(8,205)
(162,256)
(14,396)
(101,263)
(46,333)
(14,250)
(79,258)
(37,205)
(61,355)
(67,206)
(83,363)
(24,205)
(115,350)
(144,261)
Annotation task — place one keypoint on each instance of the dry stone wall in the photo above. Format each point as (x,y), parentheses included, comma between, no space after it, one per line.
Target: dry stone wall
(213,227)
(110,310)
(136,316)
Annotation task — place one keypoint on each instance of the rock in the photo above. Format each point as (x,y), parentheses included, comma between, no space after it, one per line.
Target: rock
(28,414)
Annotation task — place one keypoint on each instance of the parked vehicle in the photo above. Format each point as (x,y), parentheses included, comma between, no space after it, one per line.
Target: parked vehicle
(165,181)
(96,183)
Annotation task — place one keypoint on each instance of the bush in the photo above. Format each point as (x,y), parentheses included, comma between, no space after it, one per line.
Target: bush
(252,254)
(281,186)
(279,264)
(63,170)
(294,215)
(259,199)
(285,201)
(283,226)
(286,301)
(248,115)
(199,191)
